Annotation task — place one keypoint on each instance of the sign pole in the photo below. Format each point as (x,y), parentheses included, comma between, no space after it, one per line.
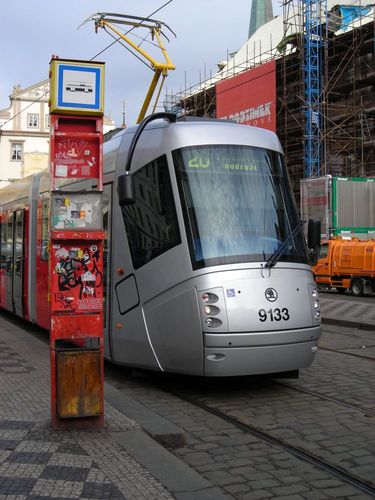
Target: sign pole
(76,244)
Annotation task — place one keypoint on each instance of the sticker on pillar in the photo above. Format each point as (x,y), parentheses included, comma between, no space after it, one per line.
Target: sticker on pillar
(77,278)
(76,211)
(76,158)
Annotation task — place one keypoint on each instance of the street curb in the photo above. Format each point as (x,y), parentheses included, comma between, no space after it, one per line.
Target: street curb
(162,430)
(148,446)
(174,474)
(348,324)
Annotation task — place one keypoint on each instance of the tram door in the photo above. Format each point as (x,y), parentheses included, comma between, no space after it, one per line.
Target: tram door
(107,227)
(18,262)
(9,262)
(14,263)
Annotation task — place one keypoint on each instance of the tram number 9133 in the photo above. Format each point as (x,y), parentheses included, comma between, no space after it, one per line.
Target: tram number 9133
(274,314)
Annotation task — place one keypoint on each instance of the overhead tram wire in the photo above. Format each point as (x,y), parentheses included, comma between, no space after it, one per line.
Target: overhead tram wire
(127,48)
(131,29)
(94,57)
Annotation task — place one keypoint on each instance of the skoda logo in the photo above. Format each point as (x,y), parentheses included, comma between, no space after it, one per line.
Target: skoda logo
(271,294)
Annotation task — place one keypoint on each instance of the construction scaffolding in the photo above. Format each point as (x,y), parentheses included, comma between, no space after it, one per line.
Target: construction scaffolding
(200,99)
(290,91)
(350,103)
(315,24)
(346,92)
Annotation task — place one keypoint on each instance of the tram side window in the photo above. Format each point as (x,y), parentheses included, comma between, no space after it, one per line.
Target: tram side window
(4,245)
(45,234)
(151,223)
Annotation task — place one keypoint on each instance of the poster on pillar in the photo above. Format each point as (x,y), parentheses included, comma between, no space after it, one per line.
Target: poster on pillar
(76,146)
(77,277)
(250,97)
(76,158)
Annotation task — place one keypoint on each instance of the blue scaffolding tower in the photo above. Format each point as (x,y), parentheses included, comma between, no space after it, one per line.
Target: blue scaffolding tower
(315,15)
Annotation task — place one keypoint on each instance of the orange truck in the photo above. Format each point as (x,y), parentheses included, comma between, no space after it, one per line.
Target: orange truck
(346,264)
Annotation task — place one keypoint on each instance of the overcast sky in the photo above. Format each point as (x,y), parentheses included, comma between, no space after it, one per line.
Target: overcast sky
(33,30)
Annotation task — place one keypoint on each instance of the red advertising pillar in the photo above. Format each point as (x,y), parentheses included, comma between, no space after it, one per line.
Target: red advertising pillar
(76,246)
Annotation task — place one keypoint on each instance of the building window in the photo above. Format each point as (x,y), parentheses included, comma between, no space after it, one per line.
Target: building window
(16,151)
(32,120)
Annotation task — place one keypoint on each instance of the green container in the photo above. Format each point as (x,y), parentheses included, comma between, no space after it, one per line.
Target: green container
(345,206)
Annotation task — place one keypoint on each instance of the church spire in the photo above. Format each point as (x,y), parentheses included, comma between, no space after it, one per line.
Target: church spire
(261,13)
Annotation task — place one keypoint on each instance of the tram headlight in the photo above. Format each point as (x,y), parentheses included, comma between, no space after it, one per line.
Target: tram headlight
(209,298)
(315,296)
(206,298)
(211,310)
(315,303)
(213,322)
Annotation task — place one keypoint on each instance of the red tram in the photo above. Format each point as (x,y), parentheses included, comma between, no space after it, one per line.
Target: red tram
(22,215)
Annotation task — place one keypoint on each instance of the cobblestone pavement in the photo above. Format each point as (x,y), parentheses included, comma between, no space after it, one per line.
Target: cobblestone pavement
(333,419)
(37,462)
(329,412)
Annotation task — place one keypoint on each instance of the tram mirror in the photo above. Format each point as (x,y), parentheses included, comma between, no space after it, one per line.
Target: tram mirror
(313,239)
(313,233)
(125,189)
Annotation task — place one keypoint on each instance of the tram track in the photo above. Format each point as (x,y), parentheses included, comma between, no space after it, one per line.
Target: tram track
(267,437)
(366,412)
(347,335)
(326,328)
(353,354)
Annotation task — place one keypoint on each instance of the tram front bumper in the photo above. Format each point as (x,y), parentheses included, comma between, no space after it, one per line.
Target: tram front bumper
(252,354)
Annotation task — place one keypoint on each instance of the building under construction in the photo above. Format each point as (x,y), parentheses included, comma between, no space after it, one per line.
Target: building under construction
(323,107)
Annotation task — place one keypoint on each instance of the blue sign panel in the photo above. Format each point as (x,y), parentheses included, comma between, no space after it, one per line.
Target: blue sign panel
(78,87)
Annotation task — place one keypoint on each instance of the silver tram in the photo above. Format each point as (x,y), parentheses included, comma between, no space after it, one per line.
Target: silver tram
(207,271)
(210,273)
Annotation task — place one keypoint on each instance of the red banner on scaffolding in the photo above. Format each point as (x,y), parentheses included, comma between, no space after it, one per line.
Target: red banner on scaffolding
(250,97)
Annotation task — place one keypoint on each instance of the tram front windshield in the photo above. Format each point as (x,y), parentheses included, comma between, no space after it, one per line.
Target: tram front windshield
(237,205)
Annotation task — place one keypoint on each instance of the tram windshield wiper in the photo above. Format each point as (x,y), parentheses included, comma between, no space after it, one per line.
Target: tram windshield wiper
(279,251)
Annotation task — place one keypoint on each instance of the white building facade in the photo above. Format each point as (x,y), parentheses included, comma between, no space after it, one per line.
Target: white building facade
(24,132)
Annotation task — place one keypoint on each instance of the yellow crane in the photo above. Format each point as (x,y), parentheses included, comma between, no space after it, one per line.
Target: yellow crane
(107,21)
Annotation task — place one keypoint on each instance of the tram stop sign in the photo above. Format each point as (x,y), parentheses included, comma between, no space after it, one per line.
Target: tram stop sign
(77,87)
